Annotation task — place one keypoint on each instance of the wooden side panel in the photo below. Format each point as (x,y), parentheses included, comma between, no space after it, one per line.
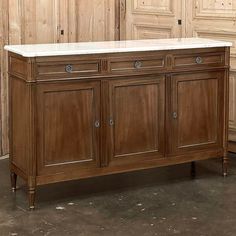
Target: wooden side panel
(197,108)
(19,126)
(69,117)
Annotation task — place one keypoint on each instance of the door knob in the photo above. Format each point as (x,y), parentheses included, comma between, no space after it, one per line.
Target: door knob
(175,115)
(111,122)
(97,124)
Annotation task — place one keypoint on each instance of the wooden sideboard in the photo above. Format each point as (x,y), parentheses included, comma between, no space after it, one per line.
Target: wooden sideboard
(78,116)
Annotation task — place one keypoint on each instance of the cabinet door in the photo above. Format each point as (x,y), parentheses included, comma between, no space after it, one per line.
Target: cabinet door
(197,111)
(136,117)
(68,126)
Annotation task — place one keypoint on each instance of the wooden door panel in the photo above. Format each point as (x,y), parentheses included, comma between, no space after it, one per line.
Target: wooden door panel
(149,19)
(141,135)
(196,111)
(67,132)
(137,109)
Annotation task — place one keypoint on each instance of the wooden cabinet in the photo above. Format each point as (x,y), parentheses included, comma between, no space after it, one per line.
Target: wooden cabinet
(75,117)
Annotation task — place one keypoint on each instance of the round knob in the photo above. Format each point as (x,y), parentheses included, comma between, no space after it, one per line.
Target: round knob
(175,115)
(199,60)
(137,64)
(97,124)
(69,68)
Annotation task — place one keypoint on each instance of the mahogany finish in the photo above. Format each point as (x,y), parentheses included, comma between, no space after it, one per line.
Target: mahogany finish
(75,117)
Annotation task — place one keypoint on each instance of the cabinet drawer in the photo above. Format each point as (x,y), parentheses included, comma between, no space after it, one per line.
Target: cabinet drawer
(137,64)
(68,69)
(198,60)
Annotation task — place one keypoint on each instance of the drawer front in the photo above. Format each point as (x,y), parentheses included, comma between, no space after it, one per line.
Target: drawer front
(69,69)
(198,60)
(137,64)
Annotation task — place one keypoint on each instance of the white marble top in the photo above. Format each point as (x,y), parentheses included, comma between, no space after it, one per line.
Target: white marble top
(60,49)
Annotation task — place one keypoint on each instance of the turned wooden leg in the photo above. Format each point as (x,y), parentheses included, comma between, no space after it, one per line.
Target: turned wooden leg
(31,192)
(13,181)
(31,195)
(225,165)
(193,169)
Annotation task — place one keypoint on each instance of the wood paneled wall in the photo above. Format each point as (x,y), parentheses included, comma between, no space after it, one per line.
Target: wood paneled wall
(145,19)
(44,21)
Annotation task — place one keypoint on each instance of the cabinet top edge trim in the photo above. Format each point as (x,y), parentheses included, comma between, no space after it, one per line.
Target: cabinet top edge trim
(108,47)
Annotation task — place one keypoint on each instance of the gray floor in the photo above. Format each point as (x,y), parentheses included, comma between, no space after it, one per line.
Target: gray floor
(163,201)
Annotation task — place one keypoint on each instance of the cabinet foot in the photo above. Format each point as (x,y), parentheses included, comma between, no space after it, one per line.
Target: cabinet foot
(193,169)
(13,181)
(31,195)
(225,166)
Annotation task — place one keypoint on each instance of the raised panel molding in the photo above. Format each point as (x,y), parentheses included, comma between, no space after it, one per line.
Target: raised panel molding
(216,9)
(162,8)
(149,31)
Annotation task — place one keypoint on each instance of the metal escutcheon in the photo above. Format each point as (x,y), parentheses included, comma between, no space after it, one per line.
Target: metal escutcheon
(137,64)
(69,68)
(97,124)
(175,115)
(199,60)
(111,122)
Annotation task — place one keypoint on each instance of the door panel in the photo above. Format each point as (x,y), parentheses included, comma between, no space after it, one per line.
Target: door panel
(149,19)
(67,132)
(196,111)
(137,110)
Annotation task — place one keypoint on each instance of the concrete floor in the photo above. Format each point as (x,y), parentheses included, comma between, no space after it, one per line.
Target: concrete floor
(163,202)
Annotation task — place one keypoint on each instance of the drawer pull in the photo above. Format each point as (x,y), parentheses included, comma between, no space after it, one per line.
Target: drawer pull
(199,60)
(69,68)
(97,124)
(138,64)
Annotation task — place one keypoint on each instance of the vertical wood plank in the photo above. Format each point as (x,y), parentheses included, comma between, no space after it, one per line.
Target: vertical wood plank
(4,27)
(15,21)
(63,21)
